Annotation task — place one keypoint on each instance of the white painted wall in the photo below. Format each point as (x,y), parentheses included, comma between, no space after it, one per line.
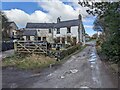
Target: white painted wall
(42,32)
(74,31)
(24,37)
(32,38)
(45,33)
(63,32)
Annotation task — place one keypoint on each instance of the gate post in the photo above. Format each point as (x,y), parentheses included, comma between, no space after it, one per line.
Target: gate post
(15,46)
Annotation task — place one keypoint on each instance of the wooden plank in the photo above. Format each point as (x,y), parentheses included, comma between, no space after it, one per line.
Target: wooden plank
(31,47)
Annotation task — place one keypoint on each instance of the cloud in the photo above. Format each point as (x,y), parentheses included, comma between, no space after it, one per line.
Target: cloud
(54,10)
(21,18)
(18,16)
(88,26)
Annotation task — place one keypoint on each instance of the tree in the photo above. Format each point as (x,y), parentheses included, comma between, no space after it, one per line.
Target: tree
(5,25)
(107,21)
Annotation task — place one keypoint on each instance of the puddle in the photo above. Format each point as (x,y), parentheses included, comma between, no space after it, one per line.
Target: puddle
(92,60)
(69,61)
(73,57)
(74,71)
(35,75)
(84,87)
(62,77)
(91,66)
(49,75)
(95,72)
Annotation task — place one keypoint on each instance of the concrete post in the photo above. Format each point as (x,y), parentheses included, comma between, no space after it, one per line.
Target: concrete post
(83,40)
(81,32)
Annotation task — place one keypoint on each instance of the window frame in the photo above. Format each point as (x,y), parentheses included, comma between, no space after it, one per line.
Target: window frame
(68,29)
(58,31)
(50,30)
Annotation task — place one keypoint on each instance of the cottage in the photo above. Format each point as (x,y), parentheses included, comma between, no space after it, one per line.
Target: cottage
(12,30)
(67,32)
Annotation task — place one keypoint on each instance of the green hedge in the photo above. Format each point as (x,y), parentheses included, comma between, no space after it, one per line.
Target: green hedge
(69,51)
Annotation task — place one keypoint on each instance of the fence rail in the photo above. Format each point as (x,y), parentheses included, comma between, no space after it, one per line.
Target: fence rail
(30,47)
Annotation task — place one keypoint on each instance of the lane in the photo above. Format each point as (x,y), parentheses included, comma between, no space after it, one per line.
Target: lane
(83,70)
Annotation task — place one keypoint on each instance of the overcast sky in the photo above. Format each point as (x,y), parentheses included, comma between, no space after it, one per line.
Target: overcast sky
(40,12)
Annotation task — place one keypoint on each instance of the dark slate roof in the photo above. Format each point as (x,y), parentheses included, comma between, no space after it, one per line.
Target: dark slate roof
(61,24)
(29,32)
(9,23)
(40,25)
(67,23)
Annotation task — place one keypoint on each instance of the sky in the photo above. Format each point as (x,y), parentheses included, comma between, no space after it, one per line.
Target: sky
(40,12)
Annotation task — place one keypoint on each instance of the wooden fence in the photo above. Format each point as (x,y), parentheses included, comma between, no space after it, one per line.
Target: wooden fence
(30,47)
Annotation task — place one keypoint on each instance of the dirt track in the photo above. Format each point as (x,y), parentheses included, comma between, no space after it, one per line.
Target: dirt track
(83,70)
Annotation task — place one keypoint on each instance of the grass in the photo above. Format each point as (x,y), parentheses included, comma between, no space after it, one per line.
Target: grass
(34,61)
(28,62)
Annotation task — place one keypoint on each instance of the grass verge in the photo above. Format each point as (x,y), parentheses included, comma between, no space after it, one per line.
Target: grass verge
(28,62)
(35,61)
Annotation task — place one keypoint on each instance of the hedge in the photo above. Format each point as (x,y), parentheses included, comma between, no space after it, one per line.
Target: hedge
(69,51)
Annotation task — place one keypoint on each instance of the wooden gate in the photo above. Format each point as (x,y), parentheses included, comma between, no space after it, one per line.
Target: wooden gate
(30,47)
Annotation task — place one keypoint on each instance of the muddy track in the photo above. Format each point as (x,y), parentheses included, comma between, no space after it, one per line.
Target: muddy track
(83,70)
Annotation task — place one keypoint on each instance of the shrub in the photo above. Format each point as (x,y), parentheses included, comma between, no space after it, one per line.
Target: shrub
(112,49)
(69,51)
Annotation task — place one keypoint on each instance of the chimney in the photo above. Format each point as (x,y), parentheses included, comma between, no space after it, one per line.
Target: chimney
(79,17)
(58,19)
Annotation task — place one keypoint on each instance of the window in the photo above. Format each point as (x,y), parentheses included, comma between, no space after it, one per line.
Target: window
(44,38)
(27,37)
(50,30)
(58,30)
(13,33)
(68,30)
(39,38)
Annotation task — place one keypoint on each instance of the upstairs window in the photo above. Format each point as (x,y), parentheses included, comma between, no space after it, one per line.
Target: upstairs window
(50,30)
(44,38)
(58,30)
(68,30)
(39,38)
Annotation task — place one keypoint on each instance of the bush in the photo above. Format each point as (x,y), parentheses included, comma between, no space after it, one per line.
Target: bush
(69,51)
(112,50)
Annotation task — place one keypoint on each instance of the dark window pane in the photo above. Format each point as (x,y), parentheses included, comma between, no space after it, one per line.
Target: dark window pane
(50,30)
(68,30)
(44,38)
(58,31)
(39,38)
